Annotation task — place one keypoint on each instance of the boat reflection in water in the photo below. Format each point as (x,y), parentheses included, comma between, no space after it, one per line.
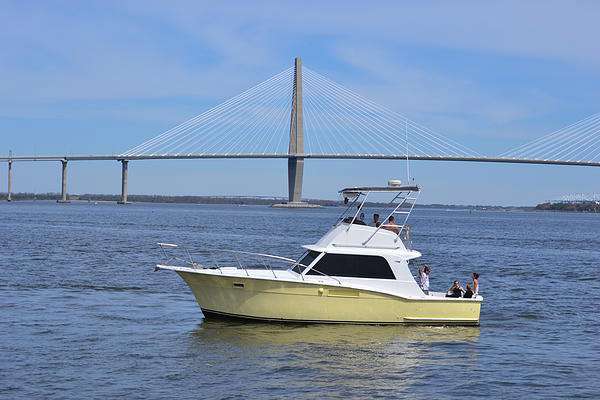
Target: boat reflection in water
(315,359)
(244,333)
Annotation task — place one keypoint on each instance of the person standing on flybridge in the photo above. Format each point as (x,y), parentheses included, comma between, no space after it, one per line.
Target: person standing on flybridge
(424,272)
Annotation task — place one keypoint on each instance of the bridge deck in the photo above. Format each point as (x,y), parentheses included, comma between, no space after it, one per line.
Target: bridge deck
(305,156)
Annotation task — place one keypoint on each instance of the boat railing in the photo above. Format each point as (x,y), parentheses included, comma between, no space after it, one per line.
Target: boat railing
(406,235)
(207,259)
(401,205)
(172,256)
(406,201)
(325,275)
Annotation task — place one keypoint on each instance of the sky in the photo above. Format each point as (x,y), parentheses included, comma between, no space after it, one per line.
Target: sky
(102,77)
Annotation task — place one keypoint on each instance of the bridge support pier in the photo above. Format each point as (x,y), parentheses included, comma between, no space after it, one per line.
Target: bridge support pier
(64,198)
(124,183)
(9,189)
(295,176)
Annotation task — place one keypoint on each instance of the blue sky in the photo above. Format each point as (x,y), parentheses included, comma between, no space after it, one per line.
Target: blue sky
(102,77)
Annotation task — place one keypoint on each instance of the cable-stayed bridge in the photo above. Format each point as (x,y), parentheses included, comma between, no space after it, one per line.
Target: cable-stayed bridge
(299,114)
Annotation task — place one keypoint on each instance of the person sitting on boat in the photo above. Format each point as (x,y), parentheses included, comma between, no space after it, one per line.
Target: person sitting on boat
(391,225)
(361,216)
(376,221)
(468,291)
(455,290)
(424,272)
(358,220)
(475,276)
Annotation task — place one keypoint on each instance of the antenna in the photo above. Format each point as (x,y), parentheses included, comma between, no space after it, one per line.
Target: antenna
(406,144)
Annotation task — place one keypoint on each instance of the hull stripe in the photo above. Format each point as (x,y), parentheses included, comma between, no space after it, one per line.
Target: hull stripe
(217,314)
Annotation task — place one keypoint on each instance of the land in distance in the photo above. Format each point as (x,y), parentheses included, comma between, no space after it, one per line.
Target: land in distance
(236,200)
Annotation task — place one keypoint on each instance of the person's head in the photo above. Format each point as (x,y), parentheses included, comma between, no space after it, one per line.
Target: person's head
(426,269)
(376,217)
(455,284)
(468,285)
(475,275)
(391,218)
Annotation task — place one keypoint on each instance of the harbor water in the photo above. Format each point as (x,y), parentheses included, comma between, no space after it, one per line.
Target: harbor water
(83,315)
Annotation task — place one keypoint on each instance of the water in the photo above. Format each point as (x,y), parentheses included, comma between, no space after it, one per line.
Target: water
(83,315)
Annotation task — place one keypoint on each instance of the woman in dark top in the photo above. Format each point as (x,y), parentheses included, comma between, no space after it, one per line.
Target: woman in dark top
(468,292)
(455,290)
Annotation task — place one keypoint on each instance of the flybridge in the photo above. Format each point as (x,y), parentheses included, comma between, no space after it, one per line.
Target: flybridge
(401,204)
(299,114)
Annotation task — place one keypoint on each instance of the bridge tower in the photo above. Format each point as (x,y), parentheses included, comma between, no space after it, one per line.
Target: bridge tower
(64,197)
(9,189)
(296,148)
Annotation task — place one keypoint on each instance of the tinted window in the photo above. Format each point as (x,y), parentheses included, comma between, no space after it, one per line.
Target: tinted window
(306,260)
(353,266)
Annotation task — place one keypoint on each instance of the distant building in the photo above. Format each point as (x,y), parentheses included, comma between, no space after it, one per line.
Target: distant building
(577,198)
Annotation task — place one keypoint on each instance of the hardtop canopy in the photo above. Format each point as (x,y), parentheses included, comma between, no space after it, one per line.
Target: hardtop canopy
(381,189)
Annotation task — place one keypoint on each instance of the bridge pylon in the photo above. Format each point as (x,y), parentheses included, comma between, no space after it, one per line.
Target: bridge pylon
(9,188)
(124,181)
(296,164)
(64,197)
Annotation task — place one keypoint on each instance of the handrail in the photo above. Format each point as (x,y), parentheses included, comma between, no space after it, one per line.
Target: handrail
(358,211)
(211,252)
(346,210)
(165,246)
(253,254)
(400,204)
(324,274)
(409,211)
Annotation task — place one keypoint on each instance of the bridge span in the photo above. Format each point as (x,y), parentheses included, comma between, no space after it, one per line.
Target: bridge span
(504,160)
(299,115)
(125,161)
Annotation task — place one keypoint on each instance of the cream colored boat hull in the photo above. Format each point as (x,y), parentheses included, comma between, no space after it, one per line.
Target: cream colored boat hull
(263,299)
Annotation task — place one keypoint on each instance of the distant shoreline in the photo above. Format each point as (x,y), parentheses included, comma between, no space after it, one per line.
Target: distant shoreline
(577,207)
(234,200)
(580,206)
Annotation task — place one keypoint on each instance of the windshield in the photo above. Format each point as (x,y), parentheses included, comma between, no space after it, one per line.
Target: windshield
(305,261)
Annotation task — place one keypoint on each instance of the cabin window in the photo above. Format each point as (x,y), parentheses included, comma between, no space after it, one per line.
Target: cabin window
(306,260)
(353,266)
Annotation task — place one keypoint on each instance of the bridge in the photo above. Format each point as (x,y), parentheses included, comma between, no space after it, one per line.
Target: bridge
(300,114)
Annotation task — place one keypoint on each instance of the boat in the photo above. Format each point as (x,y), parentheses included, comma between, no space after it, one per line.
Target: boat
(354,274)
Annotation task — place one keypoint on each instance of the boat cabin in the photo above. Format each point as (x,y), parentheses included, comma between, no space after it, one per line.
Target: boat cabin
(356,250)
